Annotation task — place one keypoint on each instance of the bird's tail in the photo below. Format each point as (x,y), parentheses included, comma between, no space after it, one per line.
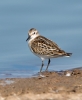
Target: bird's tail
(68,54)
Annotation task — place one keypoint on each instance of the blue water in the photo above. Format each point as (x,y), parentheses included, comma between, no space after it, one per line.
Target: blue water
(60,21)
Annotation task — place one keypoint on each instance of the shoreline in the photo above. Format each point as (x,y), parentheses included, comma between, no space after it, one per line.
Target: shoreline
(54,85)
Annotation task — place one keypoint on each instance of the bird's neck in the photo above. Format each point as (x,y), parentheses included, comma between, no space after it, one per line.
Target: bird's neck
(33,37)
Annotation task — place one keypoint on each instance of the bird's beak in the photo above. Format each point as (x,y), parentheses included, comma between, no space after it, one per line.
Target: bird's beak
(28,38)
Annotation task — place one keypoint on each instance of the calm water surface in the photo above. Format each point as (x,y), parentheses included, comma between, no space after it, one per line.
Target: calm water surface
(58,20)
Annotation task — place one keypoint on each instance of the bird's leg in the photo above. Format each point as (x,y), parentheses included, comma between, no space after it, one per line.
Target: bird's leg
(41,66)
(48,64)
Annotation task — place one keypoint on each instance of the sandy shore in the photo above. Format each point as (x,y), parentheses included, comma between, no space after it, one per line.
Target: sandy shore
(65,85)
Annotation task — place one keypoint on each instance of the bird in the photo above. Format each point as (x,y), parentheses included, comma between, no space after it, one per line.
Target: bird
(44,47)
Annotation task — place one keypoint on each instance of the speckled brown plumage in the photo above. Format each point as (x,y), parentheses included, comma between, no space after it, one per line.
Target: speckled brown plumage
(43,46)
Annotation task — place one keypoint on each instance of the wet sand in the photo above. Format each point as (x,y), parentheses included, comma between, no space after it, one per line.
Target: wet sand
(65,85)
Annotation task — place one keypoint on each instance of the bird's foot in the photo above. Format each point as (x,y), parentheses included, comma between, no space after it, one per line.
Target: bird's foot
(46,70)
(42,75)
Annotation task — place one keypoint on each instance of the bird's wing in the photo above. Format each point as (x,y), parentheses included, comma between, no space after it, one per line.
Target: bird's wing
(43,46)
